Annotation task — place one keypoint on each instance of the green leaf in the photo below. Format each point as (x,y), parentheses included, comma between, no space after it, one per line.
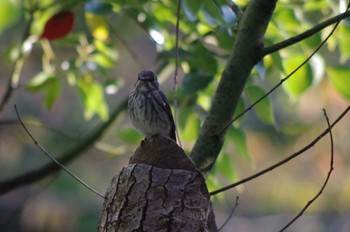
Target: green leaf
(239,109)
(286,18)
(47,83)
(184,113)
(193,82)
(343,40)
(98,7)
(93,98)
(263,109)
(129,3)
(293,128)
(300,81)
(212,12)
(164,13)
(316,5)
(224,165)
(212,182)
(202,60)
(129,135)
(71,40)
(207,19)
(229,16)
(239,140)
(108,50)
(276,61)
(52,92)
(10,13)
(103,60)
(102,111)
(191,8)
(191,130)
(313,41)
(40,82)
(225,41)
(340,78)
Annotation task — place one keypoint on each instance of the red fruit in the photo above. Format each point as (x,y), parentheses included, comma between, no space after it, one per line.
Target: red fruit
(58,26)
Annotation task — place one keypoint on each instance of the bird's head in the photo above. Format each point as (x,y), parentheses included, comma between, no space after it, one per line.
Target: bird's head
(147,81)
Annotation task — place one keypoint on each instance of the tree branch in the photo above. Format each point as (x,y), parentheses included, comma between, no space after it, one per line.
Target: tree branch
(324,183)
(244,56)
(37,123)
(235,9)
(304,35)
(224,128)
(53,159)
(230,215)
(296,154)
(176,70)
(51,168)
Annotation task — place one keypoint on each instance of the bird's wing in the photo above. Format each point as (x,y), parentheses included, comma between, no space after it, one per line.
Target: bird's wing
(162,100)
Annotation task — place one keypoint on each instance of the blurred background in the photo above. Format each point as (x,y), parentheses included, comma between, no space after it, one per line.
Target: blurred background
(73,63)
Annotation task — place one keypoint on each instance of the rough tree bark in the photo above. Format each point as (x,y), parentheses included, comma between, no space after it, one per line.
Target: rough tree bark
(160,190)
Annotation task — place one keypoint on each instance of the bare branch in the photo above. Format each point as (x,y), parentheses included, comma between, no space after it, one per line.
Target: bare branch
(304,35)
(53,159)
(325,182)
(235,8)
(51,168)
(296,154)
(222,130)
(38,123)
(177,69)
(231,214)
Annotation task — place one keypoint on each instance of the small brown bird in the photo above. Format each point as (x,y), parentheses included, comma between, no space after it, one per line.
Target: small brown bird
(149,109)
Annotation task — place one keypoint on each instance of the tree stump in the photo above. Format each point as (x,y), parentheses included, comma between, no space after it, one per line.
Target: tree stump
(160,190)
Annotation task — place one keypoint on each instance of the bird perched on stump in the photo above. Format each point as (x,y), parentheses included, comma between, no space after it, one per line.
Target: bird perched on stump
(149,109)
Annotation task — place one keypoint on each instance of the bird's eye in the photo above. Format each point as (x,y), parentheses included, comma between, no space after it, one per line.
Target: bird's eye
(148,78)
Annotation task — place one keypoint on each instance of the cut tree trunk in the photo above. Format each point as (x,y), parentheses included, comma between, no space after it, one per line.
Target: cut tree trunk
(160,190)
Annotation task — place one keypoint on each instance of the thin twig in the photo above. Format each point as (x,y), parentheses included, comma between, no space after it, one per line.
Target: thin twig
(40,124)
(236,9)
(304,35)
(296,154)
(287,77)
(53,159)
(231,214)
(176,69)
(325,182)
(50,168)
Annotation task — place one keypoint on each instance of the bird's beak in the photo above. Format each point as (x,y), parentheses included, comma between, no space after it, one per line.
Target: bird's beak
(143,78)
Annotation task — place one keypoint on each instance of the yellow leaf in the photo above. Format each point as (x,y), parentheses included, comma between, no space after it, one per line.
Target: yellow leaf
(98,26)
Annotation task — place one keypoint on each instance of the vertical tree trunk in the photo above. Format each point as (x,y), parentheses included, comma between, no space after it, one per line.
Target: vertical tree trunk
(160,190)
